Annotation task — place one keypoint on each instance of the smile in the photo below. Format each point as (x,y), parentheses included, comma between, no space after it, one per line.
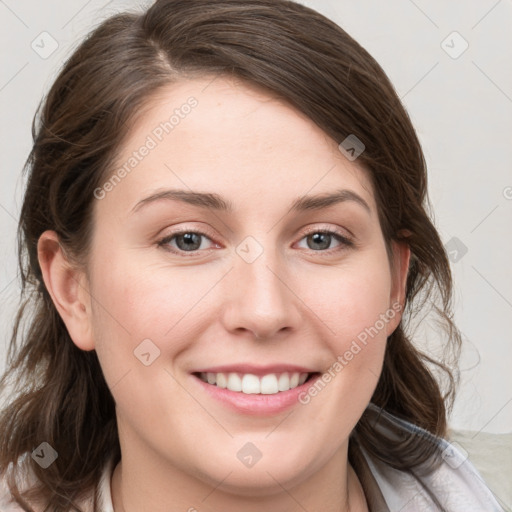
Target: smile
(250,384)
(255,395)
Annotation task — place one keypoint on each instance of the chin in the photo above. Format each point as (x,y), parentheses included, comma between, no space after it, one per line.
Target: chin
(263,478)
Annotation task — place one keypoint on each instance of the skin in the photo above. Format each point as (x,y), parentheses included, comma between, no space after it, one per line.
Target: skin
(295,303)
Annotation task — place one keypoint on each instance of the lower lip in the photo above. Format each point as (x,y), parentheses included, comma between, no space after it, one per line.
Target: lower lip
(257,404)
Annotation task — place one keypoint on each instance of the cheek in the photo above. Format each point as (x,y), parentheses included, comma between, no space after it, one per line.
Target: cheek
(355,307)
(146,299)
(359,321)
(139,300)
(134,302)
(353,302)
(141,323)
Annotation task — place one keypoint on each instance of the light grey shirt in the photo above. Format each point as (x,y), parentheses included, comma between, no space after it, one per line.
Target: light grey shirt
(453,486)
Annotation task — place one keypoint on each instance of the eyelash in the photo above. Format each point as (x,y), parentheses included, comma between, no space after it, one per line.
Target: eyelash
(345,242)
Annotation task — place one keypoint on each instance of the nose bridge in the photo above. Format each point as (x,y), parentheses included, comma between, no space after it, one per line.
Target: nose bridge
(262,280)
(261,300)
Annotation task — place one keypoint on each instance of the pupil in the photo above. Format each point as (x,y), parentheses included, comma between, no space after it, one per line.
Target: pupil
(322,239)
(191,241)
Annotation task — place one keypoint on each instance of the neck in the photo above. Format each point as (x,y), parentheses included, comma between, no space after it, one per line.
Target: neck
(334,488)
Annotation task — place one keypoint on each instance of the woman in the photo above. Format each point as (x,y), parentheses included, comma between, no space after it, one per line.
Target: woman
(224,234)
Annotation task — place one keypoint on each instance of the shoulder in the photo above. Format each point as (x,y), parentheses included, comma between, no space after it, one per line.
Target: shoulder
(101,496)
(7,503)
(454,484)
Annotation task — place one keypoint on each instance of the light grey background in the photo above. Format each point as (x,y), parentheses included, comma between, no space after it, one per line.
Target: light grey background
(461,108)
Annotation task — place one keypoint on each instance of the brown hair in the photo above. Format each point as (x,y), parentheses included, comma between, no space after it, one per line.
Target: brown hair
(286,49)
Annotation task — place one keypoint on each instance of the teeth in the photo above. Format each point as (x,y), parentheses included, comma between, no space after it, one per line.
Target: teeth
(220,380)
(284,382)
(252,384)
(234,382)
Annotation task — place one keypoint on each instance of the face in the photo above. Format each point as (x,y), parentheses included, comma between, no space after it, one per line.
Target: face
(258,277)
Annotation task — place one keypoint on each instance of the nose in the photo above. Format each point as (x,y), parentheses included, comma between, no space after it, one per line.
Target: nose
(260,298)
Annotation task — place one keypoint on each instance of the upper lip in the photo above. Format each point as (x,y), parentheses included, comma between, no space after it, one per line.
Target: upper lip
(255,369)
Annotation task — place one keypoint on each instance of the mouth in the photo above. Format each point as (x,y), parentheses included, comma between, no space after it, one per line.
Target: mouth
(251,384)
(249,394)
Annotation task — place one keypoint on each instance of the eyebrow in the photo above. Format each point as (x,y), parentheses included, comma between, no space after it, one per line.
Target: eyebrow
(216,202)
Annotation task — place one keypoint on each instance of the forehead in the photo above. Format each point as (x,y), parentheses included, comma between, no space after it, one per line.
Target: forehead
(223,135)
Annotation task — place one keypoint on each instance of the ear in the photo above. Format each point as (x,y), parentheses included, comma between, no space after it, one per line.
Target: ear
(68,289)
(399,272)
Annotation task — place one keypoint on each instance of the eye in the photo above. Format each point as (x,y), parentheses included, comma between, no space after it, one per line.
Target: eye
(320,240)
(189,241)
(184,241)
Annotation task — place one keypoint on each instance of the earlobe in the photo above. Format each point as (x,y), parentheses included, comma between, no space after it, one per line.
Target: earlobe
(68,289)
